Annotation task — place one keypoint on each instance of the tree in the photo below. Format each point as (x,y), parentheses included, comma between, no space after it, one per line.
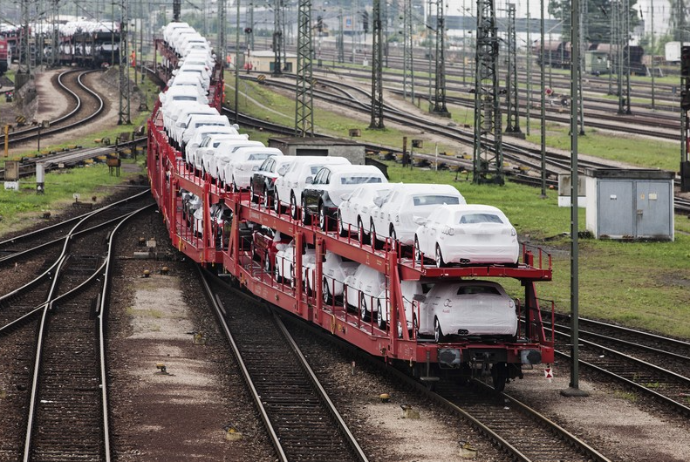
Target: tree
(598,18)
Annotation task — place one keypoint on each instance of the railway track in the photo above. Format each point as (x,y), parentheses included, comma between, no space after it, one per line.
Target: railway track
(302,422)
(652,365)
(47,332)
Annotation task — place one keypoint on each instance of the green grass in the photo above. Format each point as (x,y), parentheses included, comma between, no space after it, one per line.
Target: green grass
(25,207)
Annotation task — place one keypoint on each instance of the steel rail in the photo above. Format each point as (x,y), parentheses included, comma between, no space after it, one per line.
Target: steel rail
(263,414)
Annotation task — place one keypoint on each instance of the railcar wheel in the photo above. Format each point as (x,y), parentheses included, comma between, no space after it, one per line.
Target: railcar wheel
(438,334)
(499,374)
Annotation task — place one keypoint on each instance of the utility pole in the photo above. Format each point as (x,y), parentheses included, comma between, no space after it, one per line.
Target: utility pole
(529,68)
(628,67)
(304,107)
(341,38)
(513,119)
(612,40)
(581,63)
(684,85)
(488,154)
(250,26)
(277,38)
(124,109)
(376,69)
(574,388)
(237,57)
(428,45)
(354,31)
(651,8)
(543,103)
(408,52)
(440,89)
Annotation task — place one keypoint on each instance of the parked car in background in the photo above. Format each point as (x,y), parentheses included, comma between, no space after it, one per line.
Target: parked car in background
(363,290)
(467,234)
(394,215)
(355,210)
(262,186)
(476,310)
(243,164)
(289,187)
(324,194)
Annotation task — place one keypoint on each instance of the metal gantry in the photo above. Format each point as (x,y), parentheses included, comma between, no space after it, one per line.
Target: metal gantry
(277,38)
(488,155)
(440,87)
(222,49)
(512,101)
(304,107)
(408,55)
(124,109)
(376,69)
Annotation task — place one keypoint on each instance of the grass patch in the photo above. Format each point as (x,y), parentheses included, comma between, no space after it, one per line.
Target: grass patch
(16,207)
(150,313)
(625,395)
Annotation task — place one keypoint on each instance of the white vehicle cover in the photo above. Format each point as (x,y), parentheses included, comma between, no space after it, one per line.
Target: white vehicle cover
(209,144)
(215,159)
(245,161)
(201,134)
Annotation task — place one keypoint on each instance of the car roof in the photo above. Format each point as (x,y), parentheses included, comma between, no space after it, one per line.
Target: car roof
(470,208)
(260,149)
(353,169)
(432,188)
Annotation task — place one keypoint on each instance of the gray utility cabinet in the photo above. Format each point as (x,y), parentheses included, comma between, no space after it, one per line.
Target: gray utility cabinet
(629,204)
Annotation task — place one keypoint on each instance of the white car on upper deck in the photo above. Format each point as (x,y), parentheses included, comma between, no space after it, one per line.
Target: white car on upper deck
(243,164)
(288,188)
(394,215)
(355,210)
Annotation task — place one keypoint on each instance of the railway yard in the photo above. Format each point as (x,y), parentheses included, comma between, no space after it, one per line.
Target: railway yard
(129,333)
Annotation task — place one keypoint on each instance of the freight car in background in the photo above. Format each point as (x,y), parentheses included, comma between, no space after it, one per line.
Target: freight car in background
(89,49)
(5,55)
(599,57)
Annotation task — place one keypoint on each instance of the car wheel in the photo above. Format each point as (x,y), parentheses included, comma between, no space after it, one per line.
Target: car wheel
(293,207)
(342,232)
(439,257)
(417,251)
(266,199)
(326,292)
(276,203)
(322,218)
(394,239)
(379,316)
(252,197)
(438,334)
(372,235)
(293,282)
(235,189)
(360,230)
(276,271)
(267,264)
(363,312)
(306,218)
(415,326)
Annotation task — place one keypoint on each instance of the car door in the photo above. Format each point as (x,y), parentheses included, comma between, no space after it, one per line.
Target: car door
(312,191)
(382,214)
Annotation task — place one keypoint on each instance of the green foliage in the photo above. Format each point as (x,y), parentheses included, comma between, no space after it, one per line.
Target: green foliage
(598,18)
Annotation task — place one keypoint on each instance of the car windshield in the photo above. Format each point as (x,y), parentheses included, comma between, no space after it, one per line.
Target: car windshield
(359,179)
(259,156)
(473,218)
(474,290)
(419,201)
(315,169)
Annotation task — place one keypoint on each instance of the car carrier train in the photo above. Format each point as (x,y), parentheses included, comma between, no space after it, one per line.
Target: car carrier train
(227,204)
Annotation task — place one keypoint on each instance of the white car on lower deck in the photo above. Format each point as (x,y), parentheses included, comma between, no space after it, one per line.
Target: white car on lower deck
(468,310)
(364,289)
(467,234)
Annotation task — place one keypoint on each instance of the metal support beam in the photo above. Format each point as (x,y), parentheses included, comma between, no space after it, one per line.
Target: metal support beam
(408,55)
(376,69)
(440,88)
(277,38)
(340,42)
(304,107)
(512,102)
(124,109)
(488,154)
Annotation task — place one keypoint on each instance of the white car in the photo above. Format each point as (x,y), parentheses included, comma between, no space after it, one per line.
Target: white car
(183,110)
(322,197)
(410,291)
(263,180)
(364,289)
(288,188)
(181,94)
(189,81)
(186,130)
(336,270)
(467,234)
(201,134)
(216,158)
(284,267)
(468,309)
(170,28)
(200,58)
(394,215)
(201,70)
(354,212)
(209,144)
(243,164)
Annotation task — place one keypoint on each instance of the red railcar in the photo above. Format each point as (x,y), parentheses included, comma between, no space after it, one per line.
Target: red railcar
(220,244)
(4,55)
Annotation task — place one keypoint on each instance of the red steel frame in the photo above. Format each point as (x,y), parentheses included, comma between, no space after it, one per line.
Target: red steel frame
(168,174)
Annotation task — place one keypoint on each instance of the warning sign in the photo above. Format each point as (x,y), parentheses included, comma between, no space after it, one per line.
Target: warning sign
(548,373)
